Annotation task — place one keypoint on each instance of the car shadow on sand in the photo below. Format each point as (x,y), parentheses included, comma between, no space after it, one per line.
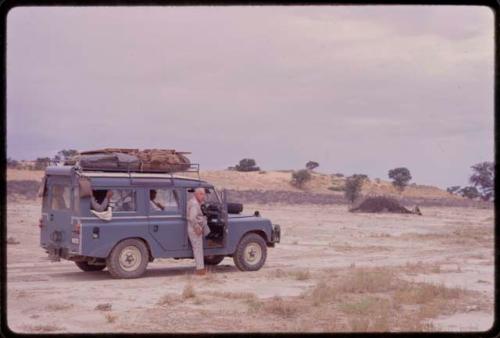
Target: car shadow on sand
(151,272)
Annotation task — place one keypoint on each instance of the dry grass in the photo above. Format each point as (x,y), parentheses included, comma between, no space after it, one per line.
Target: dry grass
(188,291)
(110,318)
(280,307)
(58,307)
(103,307)
(254,305)
(376,300)
(233,295)
(43,328)
(296,274)
(278,273)
(323,293)
(363,280)
(169,299)
(301,274)
(423,293)
(420,267)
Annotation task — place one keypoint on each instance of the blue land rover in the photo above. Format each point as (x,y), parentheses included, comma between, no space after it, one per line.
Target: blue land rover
(133,232)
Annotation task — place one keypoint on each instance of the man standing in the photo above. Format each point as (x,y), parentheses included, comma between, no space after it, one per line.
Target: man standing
(196,227)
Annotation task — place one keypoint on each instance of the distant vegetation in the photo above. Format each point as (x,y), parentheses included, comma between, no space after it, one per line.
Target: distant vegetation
(300,177)
(247,164)
(42,162)
(353,185)
(400,177)
(453,189)
(311,165)
(482,180)
(65,154)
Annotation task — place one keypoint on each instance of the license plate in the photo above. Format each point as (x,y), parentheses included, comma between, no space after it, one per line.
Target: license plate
(75,240)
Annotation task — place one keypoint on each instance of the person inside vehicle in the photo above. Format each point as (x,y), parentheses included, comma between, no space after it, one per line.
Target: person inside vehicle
(100,199)
(153,203)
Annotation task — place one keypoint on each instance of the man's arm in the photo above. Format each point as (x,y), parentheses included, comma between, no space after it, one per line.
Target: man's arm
(192,218)
(99,207)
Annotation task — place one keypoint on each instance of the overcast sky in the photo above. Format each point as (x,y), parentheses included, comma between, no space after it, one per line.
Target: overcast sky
(357,89)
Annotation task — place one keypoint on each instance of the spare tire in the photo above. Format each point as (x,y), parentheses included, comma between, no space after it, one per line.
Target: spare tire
(234,208)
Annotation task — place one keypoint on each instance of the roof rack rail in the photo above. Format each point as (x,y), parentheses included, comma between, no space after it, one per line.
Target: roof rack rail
(193,167)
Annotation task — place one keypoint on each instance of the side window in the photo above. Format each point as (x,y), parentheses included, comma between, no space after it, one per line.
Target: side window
(163,200)
(123,200)
(60,197)
(117,199)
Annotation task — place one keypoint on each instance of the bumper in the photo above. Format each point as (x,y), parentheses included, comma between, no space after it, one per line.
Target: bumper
(276,234)
(55,253)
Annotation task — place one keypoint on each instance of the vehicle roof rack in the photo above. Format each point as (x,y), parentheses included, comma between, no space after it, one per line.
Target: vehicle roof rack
(192,168)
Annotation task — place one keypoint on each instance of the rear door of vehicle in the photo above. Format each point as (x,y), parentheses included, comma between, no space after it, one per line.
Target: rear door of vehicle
(57,211)
(167,222)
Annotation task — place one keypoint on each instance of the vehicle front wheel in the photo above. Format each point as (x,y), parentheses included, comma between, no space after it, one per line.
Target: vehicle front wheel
(128,259)
(213,259)
(251,253)
(85,266)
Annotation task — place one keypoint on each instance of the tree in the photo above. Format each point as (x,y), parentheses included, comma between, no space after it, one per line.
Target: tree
(453,189)
(11,163)
(300,177)
(42,162)
(400,177)
(483,179)
(65,154)
(470,192)
(312,165)
(247,164)
(353,185)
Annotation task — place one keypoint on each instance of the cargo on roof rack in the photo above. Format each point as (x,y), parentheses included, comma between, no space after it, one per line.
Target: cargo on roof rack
(133,160)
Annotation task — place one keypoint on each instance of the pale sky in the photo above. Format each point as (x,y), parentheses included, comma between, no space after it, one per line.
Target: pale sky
(359,89)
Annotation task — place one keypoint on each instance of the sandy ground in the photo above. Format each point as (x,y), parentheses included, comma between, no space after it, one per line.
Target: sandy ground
(448,246)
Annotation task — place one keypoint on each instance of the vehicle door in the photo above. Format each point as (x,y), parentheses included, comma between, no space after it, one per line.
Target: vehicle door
(57,211)
(167,223)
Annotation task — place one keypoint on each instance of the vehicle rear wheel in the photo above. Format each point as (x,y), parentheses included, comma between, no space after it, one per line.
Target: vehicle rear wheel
(251,253)
(85,266)
(128,259)
(213,259)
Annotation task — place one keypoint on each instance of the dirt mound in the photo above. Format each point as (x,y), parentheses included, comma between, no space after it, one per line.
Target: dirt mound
(382,204)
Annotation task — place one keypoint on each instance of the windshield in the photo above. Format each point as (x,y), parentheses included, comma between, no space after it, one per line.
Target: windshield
(211,195)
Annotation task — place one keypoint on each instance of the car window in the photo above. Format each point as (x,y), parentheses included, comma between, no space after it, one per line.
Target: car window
(60,197)
(163,200)
(123,200)
(210,195)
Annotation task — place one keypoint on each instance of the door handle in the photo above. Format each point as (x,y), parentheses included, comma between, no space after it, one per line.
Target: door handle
(155,228)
